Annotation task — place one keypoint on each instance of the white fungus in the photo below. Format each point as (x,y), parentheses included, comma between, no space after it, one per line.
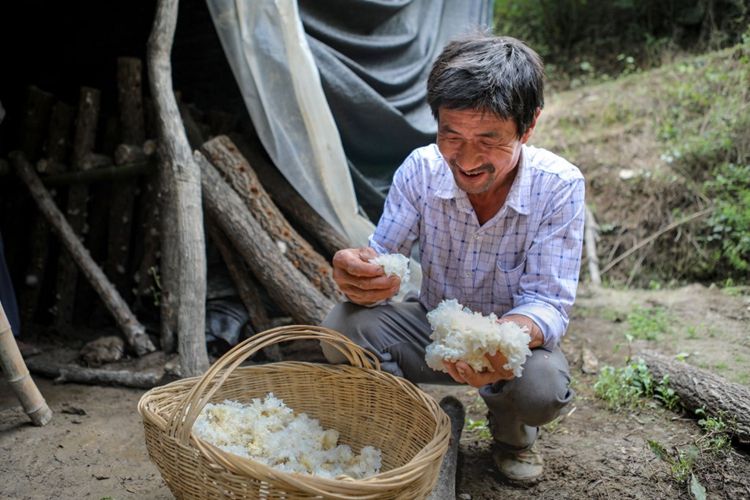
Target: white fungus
(393,263)
(269,432)
(460,334)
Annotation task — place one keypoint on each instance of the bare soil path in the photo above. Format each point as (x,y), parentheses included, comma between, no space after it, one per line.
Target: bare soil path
(94,446)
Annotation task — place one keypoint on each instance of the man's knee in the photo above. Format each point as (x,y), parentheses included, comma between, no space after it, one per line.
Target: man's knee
(544,387)
(352,321)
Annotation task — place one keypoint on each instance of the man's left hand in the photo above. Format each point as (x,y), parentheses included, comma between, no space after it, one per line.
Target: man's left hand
(464,374)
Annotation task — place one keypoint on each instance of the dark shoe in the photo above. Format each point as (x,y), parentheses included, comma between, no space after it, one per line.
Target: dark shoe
(524,467)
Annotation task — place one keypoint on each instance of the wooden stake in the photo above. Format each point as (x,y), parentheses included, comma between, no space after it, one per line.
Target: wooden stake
(134,332)
(18,376)
(183,269)
(591,235)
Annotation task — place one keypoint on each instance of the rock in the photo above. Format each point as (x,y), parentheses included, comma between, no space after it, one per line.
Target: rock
(589,362)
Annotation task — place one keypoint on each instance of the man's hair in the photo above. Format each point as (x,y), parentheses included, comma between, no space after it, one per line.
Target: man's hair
(488,73)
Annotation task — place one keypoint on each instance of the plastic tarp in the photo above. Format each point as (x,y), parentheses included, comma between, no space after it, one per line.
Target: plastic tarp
(336,83)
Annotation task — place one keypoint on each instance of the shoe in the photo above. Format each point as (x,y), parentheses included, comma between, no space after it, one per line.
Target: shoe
(524,467)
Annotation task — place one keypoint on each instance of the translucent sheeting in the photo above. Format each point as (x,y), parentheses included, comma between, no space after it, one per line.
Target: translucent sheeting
(268,52)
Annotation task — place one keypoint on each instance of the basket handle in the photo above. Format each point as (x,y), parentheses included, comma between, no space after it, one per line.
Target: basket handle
(187,410)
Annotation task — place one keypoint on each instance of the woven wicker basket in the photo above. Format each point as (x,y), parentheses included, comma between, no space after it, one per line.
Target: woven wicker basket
(366,406)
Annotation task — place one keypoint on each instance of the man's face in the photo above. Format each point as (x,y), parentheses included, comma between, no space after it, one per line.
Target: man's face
(480,148)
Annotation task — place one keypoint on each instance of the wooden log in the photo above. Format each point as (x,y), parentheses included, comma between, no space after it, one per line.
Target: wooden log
(286,285)
(288,199)
(134,332)
(701,389)
(243,279)
(35,122)
(103,173)
(183,269)
(71,373)
(445,488)
(58,147)
(223,154)
(591,236)
(132,129)
(17,375)
(58,140)
(130,99)
(83,144)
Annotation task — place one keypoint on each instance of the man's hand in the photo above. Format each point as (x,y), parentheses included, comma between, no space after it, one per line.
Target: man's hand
(464,374)
(362,282)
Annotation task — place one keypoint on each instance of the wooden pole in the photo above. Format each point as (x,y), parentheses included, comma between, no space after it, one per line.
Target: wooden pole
(286,285)
(134,332)
(18,376)
(183,267)
(591,235)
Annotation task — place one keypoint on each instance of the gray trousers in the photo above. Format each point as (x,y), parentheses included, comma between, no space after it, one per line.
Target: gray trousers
(398,334)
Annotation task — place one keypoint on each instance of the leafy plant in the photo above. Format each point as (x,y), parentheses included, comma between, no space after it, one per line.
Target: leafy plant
(716,431)
(480,427)
(680,461)
(647,323)
(630,385)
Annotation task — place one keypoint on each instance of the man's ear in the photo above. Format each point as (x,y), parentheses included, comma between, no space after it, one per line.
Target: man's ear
(526,136)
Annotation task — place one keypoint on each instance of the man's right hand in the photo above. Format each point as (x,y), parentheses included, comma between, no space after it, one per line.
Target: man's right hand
(362,282)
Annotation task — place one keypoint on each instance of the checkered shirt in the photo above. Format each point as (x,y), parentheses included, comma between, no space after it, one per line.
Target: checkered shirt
(525,260)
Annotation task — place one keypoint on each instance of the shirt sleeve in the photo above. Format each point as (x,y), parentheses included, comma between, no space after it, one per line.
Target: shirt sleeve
(398,227)
(547,288)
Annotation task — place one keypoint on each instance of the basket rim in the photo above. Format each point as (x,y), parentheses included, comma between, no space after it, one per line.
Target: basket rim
(379,482)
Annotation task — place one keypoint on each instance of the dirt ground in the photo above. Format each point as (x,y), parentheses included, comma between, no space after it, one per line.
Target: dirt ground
(94,446)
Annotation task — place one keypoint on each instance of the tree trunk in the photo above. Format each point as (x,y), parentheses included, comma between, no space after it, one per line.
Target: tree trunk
(289,200)
(184,275)
(699,388)
(83,144)
(134,332)
(286,285)
(240,175)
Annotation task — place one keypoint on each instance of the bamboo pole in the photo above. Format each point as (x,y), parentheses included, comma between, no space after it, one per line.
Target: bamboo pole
(18,376)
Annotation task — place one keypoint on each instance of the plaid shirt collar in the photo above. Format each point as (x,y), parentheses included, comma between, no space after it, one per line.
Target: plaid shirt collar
(519,197)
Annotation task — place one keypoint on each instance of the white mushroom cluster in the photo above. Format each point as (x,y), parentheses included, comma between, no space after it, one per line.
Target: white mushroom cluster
(460,334)
(269,432)
(393,263)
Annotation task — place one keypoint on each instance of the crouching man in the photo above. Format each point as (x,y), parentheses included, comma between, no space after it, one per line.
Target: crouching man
(500,227)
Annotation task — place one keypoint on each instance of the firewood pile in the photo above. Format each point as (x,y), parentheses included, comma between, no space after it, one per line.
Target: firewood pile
(97,186)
